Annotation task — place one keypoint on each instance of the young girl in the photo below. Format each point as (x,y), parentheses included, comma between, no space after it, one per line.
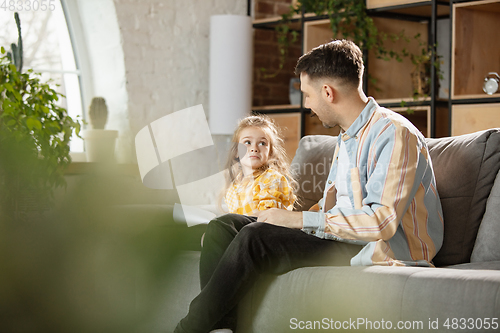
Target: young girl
(258,177)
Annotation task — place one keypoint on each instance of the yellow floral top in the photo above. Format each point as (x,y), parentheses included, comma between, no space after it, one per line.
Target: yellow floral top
(268,190)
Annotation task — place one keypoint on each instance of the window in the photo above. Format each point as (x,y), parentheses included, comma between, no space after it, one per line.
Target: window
(47,49)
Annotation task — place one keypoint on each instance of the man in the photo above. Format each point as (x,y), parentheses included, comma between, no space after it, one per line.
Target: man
(380,205)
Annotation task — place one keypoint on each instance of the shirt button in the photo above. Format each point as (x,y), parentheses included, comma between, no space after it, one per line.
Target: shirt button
(313,232)
(320,208)
(329,182)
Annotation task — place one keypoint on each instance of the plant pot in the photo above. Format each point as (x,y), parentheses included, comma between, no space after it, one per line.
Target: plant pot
(295,93)
(100,145)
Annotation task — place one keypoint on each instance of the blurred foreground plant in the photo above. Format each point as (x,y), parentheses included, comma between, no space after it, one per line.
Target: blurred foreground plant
(90,264)
(32,122)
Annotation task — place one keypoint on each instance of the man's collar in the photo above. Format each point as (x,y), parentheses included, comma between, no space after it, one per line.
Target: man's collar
(361,120)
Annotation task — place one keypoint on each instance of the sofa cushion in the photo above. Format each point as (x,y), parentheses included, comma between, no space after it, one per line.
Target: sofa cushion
(487,246)
(465,168)
(311,166)
(368,294)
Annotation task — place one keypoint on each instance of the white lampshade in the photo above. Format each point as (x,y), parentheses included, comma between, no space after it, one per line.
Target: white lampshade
(230,71)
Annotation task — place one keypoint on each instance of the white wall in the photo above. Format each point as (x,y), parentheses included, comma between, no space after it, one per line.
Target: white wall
(166,48)
(149,58)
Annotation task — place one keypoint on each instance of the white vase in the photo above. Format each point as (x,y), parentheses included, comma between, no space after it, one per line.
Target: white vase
(100,145)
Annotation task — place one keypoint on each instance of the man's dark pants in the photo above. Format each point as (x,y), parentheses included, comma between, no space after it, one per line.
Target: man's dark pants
(236,250)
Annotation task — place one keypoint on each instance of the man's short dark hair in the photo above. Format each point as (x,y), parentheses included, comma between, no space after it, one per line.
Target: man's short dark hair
(339,59)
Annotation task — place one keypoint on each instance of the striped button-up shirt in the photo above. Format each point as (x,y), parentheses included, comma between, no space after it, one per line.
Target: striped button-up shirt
(396,212)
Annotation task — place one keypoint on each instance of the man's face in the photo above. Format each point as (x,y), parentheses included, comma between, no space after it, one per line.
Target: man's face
(314,100)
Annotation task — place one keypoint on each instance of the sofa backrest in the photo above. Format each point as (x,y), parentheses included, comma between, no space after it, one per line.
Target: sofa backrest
(311,166)
(487,246)
(465,168)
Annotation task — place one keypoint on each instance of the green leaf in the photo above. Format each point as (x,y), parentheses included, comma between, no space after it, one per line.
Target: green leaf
(8,86)
(30,122)
(17,95)
(38,124)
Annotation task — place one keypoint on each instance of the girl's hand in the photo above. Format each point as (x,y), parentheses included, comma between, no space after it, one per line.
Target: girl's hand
(281,217)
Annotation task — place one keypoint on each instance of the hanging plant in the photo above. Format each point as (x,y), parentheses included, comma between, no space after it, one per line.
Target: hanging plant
(421,72)
(348,18)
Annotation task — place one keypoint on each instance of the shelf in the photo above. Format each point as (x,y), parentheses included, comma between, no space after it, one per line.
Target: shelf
(470,118)
(487,98)
(422,9)
(289,125)
(408,100)
(276,108)
(476,47)
(478,100)
(420,116)
(393,77)
(316,33)
(272,22)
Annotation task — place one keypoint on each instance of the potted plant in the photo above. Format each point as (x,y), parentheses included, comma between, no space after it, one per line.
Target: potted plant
(35,132)
(99,142)
(421,72)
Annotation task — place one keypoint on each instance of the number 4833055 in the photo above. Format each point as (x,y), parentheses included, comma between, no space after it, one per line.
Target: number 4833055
(471,323)
(28,5)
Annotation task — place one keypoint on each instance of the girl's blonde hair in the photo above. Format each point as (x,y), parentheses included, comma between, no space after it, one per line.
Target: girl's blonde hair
(277,154)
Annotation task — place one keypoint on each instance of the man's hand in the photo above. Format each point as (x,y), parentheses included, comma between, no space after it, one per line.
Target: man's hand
(284,218)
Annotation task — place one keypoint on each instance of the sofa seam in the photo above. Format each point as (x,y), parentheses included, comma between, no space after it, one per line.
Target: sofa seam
(497,298)
(403,293)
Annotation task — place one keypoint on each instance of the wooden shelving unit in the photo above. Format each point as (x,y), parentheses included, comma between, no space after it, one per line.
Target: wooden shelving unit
(476,47)
(475,53)
(474,50)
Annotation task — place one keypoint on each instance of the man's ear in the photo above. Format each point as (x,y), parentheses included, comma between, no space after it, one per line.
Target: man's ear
(328,93)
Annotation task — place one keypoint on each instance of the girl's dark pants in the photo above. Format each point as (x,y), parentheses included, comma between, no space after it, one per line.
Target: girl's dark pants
(236,250)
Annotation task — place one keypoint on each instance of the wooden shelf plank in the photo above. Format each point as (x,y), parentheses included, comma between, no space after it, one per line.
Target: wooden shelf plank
(276,107)
(389,3)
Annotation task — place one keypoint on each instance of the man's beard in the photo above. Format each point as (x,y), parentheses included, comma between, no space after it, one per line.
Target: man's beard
(325,125)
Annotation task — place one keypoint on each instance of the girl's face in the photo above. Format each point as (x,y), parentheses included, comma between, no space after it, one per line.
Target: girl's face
(253,149)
